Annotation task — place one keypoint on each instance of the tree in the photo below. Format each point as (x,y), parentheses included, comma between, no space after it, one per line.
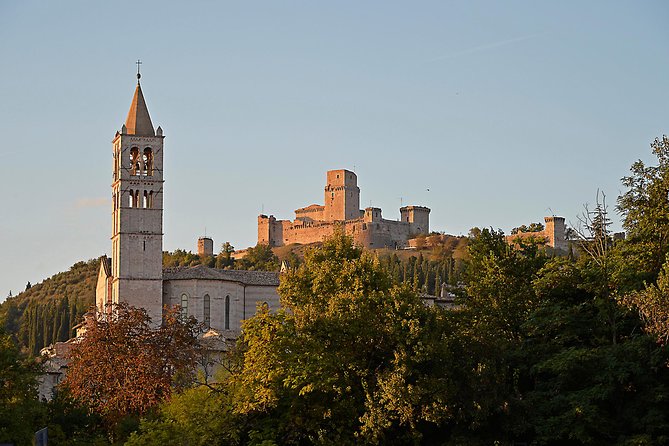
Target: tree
(349,359)
(587,378)
(20,411)
(123,367)
(499,281)
(533,227)
(645,211)
(224,258)
(259,258)
(653,306)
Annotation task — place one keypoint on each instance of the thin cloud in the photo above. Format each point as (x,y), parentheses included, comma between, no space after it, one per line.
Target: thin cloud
(487,46)
(84,203)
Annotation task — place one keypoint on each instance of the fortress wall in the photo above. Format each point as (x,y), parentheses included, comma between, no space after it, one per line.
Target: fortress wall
(371,234)
(399,231)
(305,233)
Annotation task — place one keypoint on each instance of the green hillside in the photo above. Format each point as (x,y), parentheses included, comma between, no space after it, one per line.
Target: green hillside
(46,312)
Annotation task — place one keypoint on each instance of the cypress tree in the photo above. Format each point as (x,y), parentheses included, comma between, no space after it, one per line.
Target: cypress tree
(64,332)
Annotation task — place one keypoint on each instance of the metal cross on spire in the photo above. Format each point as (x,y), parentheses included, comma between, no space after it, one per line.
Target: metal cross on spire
(139,62)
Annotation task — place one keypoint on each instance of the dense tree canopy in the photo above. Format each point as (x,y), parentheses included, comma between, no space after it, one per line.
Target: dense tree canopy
(349,357)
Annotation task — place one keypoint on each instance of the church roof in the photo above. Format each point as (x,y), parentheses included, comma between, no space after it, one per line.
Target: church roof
(138,121)
(266,278)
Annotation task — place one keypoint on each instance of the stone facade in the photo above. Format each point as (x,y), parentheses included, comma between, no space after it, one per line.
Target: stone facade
(341,210)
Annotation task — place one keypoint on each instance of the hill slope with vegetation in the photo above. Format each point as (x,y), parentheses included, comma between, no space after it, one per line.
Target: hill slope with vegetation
(46,312)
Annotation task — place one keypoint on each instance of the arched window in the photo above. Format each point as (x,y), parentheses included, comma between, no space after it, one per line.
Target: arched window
(151,200)
(148,161)
(135,168)
(227,312)
(145,201)
(135,202)
(207,311)
(184,307)
(131,198)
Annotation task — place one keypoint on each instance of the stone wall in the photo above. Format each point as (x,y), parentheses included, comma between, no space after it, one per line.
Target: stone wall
(243,299)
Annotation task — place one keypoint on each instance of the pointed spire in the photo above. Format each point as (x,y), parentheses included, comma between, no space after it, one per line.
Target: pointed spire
(138,121)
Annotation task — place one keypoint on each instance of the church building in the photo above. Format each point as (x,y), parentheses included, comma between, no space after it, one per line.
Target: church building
(134,274)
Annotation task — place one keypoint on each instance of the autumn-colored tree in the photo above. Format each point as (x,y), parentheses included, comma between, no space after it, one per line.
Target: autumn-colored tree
(123,366)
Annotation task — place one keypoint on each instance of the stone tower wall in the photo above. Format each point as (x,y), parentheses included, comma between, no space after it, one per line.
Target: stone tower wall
(205,247)
(372,215)
(555,231)
(342,196)
(264,230)
(137,224)
(418,217)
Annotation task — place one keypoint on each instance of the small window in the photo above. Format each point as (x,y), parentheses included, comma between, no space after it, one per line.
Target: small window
(207,311)
(227,312)
(131,198)
(184,307)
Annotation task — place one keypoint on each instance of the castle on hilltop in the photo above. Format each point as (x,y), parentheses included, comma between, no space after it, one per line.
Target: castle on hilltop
(342,210)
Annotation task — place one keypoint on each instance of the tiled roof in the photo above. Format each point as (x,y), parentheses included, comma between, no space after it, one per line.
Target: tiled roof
(266,278)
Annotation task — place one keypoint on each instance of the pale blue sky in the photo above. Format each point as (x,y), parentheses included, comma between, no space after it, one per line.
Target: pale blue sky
(501,109)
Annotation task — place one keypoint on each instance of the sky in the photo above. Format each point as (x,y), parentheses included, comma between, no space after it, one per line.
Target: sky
(493,114)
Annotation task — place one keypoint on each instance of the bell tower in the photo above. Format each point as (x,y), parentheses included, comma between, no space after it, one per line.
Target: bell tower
(137,211)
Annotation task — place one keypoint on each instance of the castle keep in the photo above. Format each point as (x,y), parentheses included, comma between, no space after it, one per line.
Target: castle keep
(342,210)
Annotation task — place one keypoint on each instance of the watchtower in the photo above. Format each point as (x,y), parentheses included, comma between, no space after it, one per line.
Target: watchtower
(205,247)
(556,232)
